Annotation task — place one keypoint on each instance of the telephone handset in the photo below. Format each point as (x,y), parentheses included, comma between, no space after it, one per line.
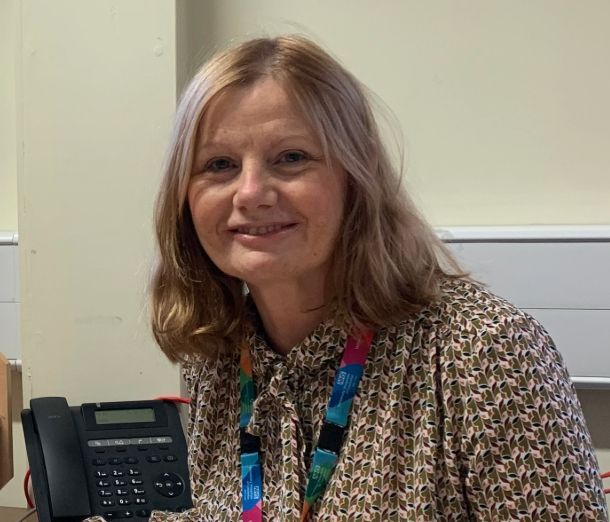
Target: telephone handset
(120,460)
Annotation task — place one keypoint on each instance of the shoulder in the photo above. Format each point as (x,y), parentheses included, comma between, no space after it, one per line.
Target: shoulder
(489,352)
(468,312)
(201,371)
(477,335)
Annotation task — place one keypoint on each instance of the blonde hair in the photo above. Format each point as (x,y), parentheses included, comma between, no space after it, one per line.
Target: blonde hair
(387,263)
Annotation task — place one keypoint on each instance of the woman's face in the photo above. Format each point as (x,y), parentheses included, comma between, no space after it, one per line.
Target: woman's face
(266,206)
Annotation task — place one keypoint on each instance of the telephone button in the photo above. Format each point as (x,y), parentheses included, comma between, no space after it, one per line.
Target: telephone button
(107,503)
(102,483)
(119,482)
(138,491)
(126,514)
(140,440)
(98,462)
(119,442)
(143,512)
(161,440)
(131,460)
(169,485)
(111,515)
(123,502)
(133,472)
(97,443)
(101,474)
(141,500)
(136,482)
(153,458)
(117,473)
(122,492)
(170,458)
(105,493)
(115,461)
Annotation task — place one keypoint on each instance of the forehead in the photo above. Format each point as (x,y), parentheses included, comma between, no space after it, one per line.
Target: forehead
(264,106)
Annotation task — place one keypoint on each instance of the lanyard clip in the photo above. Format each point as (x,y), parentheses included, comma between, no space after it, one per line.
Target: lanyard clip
(331,437)
(249,443)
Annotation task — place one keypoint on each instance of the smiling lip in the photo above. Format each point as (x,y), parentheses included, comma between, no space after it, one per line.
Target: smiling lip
(260,235)
(261,229)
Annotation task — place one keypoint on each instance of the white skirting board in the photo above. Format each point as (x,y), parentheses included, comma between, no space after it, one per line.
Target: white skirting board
(558,274)
(9,296)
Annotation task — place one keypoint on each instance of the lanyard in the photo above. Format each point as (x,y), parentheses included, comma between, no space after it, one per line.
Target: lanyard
(330,441)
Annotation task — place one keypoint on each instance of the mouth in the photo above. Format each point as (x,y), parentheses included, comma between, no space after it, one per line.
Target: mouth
(264,230)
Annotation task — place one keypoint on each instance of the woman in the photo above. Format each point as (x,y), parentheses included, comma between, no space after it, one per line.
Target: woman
(277,178)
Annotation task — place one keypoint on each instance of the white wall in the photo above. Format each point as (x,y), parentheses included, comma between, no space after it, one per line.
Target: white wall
(9,39)
(504,105)
(98,93)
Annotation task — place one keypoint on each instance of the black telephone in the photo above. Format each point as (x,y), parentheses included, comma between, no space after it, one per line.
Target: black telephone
(119,460)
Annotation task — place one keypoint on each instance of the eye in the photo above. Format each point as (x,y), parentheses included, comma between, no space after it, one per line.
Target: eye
(219,165)
(292,156)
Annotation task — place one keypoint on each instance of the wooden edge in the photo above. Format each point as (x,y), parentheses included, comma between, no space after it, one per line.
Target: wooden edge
(6,423)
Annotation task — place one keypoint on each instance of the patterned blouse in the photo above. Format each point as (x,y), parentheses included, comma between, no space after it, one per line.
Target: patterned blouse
(465,412)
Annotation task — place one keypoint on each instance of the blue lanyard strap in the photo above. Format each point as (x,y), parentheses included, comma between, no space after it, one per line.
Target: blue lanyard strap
(345,387)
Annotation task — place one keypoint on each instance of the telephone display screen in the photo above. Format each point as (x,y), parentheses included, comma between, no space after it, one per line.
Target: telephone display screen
(125,416)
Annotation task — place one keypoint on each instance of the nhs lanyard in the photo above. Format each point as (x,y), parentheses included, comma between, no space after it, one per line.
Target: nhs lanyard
(327,451)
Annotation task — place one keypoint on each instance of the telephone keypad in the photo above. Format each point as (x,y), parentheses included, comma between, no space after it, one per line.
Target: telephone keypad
(128,483)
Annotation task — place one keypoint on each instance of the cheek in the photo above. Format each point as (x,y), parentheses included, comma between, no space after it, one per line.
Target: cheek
(204,214)
(328,219)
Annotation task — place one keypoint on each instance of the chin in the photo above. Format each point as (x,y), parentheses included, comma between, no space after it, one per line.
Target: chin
(260,271)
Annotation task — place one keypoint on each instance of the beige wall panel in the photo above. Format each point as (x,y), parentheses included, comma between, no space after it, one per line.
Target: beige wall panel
(98,98)
(504,105)
(9,45)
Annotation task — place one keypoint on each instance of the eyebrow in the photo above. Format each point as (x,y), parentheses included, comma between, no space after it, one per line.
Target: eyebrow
(296,136)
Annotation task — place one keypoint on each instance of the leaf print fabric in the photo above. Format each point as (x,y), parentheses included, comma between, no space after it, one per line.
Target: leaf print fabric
(465,413)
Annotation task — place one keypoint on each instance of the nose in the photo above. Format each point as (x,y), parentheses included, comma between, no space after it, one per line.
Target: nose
(254,187)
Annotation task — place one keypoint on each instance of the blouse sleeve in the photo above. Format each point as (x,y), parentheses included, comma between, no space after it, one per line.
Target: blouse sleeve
(527,453)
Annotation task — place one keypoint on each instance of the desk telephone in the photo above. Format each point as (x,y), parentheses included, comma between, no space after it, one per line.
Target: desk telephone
(120,460)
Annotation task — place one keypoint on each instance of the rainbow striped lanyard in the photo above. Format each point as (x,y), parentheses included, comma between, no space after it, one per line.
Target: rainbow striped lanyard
(330,441)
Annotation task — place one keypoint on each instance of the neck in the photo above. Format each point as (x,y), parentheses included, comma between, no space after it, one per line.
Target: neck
(289,312)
